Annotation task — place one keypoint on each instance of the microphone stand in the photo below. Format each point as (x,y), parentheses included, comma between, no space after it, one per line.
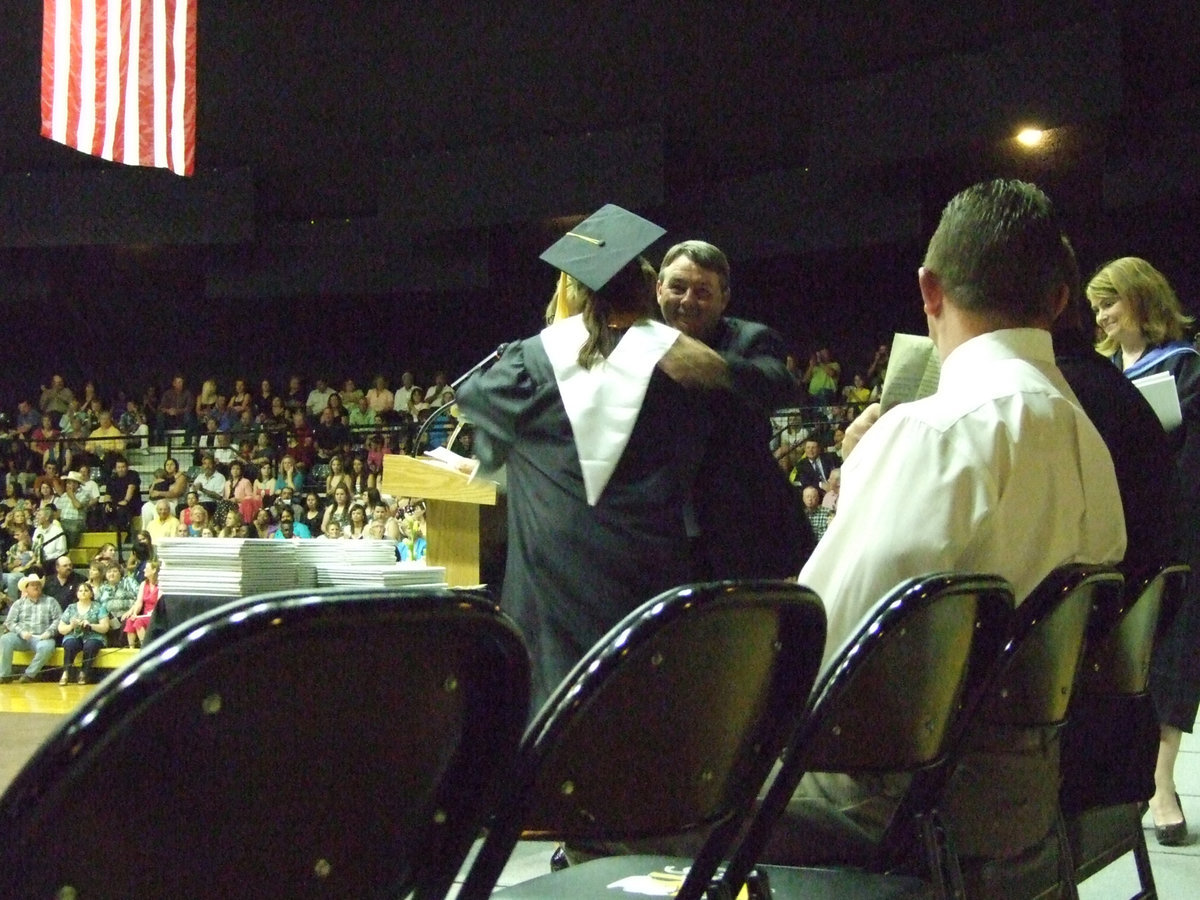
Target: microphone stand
(455,385)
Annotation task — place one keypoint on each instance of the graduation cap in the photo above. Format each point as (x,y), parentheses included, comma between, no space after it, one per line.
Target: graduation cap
(602,244)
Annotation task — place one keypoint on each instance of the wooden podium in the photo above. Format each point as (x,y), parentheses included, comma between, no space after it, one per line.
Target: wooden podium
(464,522)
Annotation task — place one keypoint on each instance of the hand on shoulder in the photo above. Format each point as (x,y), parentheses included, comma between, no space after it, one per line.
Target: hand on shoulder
(693,364)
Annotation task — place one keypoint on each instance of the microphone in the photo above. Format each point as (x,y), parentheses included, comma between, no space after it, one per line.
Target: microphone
(454,386)
(483,363)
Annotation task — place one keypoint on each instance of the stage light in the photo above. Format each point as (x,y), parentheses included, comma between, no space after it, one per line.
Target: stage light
(1031,137)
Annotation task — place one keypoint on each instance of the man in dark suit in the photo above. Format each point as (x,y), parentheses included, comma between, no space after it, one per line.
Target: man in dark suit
(748,520)
(814,467)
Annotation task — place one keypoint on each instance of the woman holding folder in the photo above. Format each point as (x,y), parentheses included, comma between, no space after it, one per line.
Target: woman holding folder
(1143,329)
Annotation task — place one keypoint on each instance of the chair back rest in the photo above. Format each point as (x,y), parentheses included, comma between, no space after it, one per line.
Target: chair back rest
(672,721)
(324,743)
(889,700)
(1121,635)
(1036,677)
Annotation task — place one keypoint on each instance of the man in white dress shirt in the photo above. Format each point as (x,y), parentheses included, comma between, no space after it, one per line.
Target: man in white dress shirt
(999,471)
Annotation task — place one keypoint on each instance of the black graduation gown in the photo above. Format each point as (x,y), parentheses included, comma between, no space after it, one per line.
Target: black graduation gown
(574,570)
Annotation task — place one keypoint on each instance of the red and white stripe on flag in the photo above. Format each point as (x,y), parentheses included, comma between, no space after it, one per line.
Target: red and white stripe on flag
(119,80)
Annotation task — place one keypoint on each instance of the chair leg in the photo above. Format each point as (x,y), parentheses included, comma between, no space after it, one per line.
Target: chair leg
(945,874)
(1066,860)
(1141,858)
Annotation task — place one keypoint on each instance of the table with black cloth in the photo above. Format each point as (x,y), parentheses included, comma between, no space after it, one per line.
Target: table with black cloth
(172,609)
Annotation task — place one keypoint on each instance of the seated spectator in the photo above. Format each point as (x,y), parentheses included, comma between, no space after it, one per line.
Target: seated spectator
(289,476)
(337,475)
(19,561)
(150,405)
(435,390)
(276,421)
(341,414)
(263,525)
(264,400)
(240,490)
(49,539)
(332,531)
(814,467)
(106,553)
(200,522)
(89,493)
(818,516)
(792,437)
(822,376)
(318,398)
(858,394)
(28,419)
(388,524)
(61,583)
(188,512)
(375,454)
(350,394)
(338,510)
(313,513)
(209,483)
(286,499)
(330,436)
(264,485)
(289,528)
(227,420)
(412,545)
(241,400)
(232,525)
(246,428)
(380,399)
(56,398)
(357,529)
(132,424)
(124,495)
(830,500)
(163,523)
(32,626)
(45,495)
(46,444)
(361,414)
(362,479)
(106,441)
(83,626)
(300,441)
(138,618)
(223,450)
(117,595)
(49,476)
(416,405)
(264,452)
(176,409)
(73,428)
(294,397)
(169,484)
(72,510)
(206,400)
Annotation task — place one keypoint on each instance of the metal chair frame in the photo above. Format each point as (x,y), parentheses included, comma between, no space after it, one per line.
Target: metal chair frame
(226,761)
(670,724)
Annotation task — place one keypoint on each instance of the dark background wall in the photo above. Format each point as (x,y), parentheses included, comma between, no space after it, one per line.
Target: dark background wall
(375,181)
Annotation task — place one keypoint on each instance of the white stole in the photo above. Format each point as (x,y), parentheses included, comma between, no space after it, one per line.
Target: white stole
(602,403)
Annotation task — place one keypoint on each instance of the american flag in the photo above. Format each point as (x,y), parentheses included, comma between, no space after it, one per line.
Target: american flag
(119,80)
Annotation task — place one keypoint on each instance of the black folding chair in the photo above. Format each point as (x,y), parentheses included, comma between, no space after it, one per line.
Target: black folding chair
(1004,791)
(891,701)
(669,725)
(330,743)
(1110,742)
